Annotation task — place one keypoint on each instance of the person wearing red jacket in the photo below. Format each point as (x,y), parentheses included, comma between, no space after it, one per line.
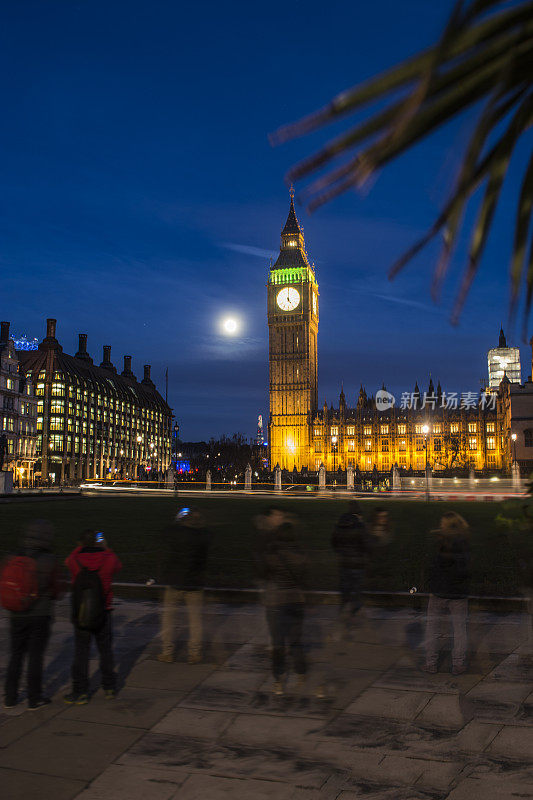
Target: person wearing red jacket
(93,553)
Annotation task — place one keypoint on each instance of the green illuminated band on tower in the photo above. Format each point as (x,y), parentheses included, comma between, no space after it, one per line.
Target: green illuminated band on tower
(294,275)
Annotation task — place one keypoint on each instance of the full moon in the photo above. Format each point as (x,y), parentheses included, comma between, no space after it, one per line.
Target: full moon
(230,326)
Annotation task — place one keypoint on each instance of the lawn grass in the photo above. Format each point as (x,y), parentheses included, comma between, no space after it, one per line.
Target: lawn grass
(135,529)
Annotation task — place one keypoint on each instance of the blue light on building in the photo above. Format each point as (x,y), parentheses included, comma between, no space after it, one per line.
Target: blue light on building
(182,466)
(23,343)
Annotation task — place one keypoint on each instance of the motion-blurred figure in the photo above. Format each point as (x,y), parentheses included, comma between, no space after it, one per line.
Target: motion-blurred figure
(449,582)
(283,568)
(184,575)
(92,566)
(37,569)
(353,545)
(380,527)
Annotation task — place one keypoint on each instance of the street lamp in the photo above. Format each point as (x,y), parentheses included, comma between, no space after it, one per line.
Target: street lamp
(334,448)
(425,431)
(513,437)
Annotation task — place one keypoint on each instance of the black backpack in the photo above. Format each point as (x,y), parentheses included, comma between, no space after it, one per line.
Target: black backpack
(88,601)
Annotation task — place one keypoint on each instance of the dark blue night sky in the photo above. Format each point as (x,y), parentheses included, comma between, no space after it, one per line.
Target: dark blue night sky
(141,199)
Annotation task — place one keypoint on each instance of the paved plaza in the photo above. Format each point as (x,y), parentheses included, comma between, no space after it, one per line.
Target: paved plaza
(382,731)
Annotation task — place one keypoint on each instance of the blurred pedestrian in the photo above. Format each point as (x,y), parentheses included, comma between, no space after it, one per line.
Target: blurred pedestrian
(449,585)
(283,569)
(184,574)
(352,543)
(92,566)
(29,585)
(380,527)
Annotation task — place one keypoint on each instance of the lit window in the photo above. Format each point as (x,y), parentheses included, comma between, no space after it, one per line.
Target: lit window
(351,445)
(472,442)
(367,430)
(402,445)
(454,427)
(528,438)
(419,444)
(317,432)
(384,429)
(402,429)
(385,446)
(350,430)
(472,427)
(437,428)
(490,427)
(368,444)
(334,431)
(491,443)
(437,445)
(403,461)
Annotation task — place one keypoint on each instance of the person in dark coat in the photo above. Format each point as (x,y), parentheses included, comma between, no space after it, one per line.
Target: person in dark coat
(30,629)
(449,585)
(283,570)
(93,553)
(184,575)
(353,545)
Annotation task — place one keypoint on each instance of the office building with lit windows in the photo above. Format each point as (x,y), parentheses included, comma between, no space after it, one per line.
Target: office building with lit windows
(445,430)
(18,412)
(92,422)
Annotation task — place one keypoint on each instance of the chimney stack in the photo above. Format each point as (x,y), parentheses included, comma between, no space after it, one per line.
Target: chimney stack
(82,348)
(147,381)
(127,368)
(4,332)
(51,328)
(106,362)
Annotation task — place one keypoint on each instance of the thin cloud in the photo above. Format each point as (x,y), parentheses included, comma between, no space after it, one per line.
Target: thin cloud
(248,250)
(405,302)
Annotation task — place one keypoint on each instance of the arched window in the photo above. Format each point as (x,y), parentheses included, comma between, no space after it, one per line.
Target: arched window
(528,437)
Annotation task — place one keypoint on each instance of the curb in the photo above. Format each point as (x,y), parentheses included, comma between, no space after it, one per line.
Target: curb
(417,601)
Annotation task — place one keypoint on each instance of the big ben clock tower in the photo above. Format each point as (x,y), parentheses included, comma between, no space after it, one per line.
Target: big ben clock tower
(293,329)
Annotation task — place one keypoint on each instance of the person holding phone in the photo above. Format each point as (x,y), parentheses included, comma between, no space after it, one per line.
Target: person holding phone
(92,559)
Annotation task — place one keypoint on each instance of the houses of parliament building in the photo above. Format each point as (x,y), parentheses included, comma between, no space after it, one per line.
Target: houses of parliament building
(484,431)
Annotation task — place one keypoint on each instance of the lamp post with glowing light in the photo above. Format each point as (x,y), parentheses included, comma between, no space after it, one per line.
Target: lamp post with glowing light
(513,437)
(425,431)
(334,449)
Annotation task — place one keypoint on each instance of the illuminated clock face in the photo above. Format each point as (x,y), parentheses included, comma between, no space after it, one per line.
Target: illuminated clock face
(314,303)
(288,299)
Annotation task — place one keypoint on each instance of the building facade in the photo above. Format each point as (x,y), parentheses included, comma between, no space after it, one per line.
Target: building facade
(92,422)
(18,407)
(432,427)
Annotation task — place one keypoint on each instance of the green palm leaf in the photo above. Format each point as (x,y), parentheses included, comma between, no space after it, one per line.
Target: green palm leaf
(485,53)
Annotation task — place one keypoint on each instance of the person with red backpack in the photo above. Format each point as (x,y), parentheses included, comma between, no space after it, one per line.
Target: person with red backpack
(29,584)
(92,566)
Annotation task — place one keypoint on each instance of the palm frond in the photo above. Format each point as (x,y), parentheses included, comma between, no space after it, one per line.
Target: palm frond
(485,53)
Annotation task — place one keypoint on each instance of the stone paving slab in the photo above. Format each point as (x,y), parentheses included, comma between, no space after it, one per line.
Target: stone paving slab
(491,789)
(388,703)
(133,708)
(152,674)
(206,787)
(118,782)
(20,785)
(69,749)
(195,723)
(191,755)
(513,742)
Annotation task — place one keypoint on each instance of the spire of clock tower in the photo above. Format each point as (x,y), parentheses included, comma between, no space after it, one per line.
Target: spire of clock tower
(292,226)
(292,251)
